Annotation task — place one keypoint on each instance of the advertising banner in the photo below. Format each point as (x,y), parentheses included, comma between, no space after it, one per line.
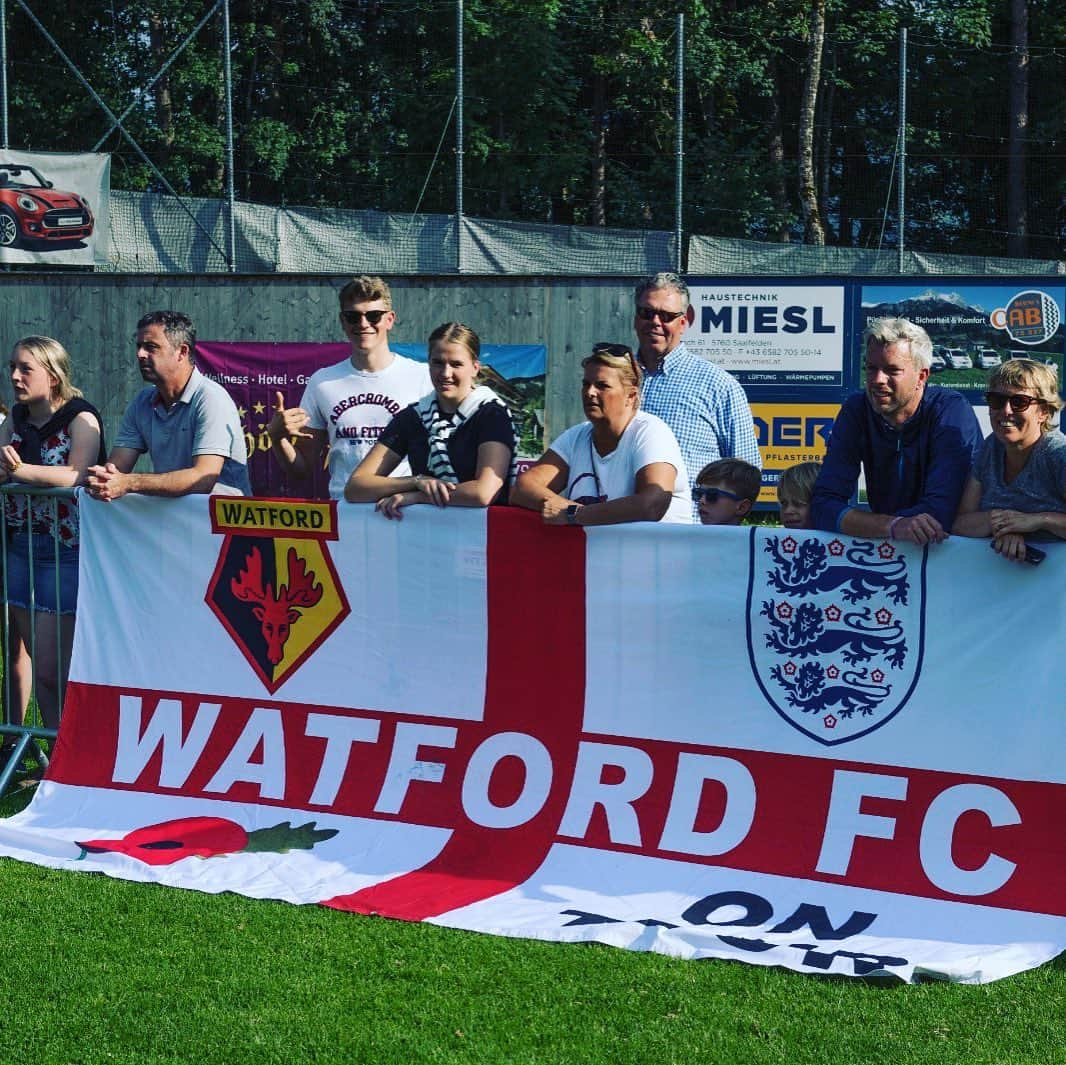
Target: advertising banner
(255,372)
(977,326)
(781,748)
(55,208)
(769,334)
(788,434)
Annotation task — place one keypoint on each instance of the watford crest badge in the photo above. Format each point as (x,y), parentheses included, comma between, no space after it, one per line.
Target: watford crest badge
(274,587)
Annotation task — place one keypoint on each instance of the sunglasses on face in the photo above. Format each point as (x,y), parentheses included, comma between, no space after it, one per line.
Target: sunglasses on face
(355,317)
(712,495)
(1018,404)
(649,314)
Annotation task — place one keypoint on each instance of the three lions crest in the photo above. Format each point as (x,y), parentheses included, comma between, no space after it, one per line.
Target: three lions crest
(835,629)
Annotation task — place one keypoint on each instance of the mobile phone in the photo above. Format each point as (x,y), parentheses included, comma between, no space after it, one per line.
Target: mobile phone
(1033,555)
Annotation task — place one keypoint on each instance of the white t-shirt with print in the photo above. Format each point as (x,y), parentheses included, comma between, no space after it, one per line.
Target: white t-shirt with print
(597,478)
(354,406)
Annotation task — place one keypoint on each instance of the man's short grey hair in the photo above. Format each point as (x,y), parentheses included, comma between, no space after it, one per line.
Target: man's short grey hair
(178,327)
(663,279)
(900,331)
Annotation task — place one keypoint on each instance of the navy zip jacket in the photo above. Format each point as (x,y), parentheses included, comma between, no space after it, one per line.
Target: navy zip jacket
(920,467)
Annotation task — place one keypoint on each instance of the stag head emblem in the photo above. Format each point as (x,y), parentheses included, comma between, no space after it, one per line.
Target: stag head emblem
(276,612)
(266,581)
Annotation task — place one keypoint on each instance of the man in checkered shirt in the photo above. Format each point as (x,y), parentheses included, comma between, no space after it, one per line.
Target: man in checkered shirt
(704,406)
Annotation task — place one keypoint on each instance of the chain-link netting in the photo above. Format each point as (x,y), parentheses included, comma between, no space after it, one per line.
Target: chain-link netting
(716,255)
(161,234)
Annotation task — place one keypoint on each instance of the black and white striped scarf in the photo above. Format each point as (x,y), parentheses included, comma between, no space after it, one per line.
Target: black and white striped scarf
(439,428)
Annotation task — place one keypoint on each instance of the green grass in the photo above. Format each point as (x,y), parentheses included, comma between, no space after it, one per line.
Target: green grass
(100,970)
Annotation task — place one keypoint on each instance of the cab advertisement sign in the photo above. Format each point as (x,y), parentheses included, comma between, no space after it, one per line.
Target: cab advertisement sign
(771,335)
(975,328)
(790,433)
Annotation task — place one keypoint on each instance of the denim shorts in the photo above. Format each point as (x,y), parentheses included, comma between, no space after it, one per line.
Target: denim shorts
(45,572)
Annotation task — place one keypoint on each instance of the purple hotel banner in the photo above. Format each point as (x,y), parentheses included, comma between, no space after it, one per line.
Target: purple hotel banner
(254,373)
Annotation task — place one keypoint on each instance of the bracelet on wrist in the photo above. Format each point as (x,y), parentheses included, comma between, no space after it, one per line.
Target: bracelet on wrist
(892,526)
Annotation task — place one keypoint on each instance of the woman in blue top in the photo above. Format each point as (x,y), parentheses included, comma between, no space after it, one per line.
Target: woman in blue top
(1018,486)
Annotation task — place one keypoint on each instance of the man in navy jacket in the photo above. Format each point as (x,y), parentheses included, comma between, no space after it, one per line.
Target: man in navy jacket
(915,443)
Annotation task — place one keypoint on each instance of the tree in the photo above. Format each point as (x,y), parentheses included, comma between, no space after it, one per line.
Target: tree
(789,127)
(814,231)
(1017,187)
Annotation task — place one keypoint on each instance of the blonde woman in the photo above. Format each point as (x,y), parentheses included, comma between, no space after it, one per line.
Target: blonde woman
(18,670)
(1018,486)
(459,438)
(50,439)
(619,465)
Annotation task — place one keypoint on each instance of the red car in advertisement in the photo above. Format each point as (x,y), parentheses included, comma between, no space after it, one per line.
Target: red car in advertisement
(33,212)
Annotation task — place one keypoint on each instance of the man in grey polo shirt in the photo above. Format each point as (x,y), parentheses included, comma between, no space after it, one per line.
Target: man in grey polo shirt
(187,424)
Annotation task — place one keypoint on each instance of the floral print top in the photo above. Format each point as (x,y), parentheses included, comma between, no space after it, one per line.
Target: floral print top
(47,446)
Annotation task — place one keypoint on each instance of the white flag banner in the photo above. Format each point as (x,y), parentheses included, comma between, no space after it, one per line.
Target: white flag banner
(787,748)
(55,208)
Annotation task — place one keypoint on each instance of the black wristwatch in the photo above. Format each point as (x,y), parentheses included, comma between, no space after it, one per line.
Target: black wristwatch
(571,513)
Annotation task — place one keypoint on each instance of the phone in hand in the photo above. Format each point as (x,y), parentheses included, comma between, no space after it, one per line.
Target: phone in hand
(1033,555)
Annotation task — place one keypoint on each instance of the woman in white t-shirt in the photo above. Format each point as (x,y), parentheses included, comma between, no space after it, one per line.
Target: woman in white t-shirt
(620,465)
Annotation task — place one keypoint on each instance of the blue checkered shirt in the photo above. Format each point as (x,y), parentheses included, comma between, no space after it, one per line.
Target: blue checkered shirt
(706,408)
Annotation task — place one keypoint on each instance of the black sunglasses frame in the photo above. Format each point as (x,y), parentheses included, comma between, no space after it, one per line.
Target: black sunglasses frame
(355,317)
(699,493)
(1018,404)
(649,314)
(619,351)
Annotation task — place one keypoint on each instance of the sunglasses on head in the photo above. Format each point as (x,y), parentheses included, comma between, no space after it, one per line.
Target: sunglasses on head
(355,317)
(649,314)
(619,351)
(712,495)
(1018,404)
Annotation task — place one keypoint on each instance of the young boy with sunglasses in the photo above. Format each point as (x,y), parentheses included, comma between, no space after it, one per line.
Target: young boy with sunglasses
(347,406)
(726,491)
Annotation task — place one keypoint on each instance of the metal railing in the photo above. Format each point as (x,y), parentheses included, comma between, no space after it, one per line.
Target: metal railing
(23,725)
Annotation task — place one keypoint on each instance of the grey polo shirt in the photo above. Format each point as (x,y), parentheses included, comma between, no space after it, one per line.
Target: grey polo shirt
(203,421)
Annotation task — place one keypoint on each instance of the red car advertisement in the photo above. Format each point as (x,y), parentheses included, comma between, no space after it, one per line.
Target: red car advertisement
(55,208)
(34,213)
